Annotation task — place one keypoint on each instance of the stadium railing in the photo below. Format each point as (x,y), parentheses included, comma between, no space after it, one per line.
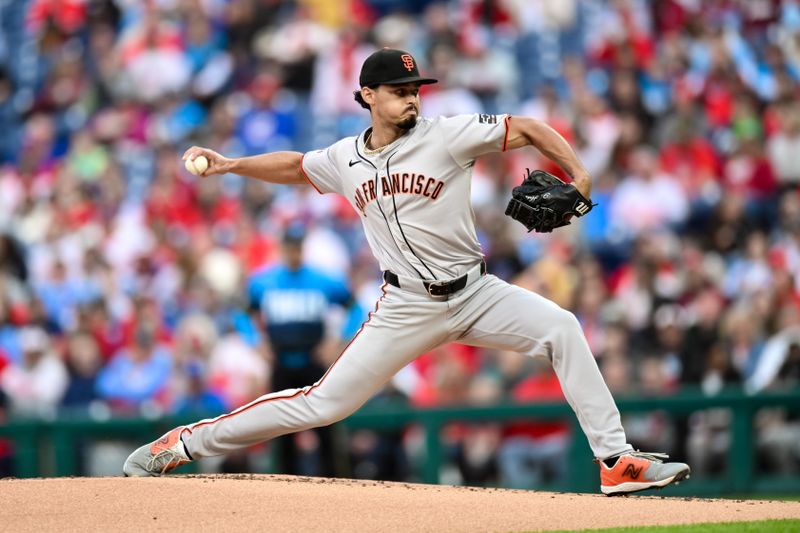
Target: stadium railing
(47,447)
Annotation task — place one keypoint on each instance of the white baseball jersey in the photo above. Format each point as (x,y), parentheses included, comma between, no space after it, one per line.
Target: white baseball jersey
(414,196)
(414,202)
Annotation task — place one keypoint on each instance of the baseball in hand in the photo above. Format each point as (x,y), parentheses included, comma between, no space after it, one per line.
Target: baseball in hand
(196,166)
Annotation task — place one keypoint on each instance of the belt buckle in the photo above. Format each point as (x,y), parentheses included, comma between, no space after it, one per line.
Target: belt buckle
(442,285)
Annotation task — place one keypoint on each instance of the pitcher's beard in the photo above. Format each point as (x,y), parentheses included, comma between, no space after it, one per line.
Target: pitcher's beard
(407,123)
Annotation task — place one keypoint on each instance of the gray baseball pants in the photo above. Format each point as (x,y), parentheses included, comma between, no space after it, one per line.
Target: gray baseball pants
(408,322)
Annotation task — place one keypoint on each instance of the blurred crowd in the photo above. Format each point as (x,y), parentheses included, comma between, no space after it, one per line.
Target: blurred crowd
(124,279)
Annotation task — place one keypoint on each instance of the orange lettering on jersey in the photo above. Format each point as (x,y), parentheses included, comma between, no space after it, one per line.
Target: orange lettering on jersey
(418,183)
(437,190)
(359,202)
(405,183)
(408,62)
(426,192)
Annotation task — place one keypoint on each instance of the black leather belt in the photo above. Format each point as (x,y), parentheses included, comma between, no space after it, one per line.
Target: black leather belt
(435,288)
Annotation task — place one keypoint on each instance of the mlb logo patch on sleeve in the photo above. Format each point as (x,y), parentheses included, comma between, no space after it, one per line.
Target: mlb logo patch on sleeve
(487,119)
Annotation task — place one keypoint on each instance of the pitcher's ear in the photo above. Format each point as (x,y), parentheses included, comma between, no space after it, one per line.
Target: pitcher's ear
(368,94)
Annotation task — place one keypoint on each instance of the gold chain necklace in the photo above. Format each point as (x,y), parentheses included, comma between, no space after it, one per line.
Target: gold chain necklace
(371,151)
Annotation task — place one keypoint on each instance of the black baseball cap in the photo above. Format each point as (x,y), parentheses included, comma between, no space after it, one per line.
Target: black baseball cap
(391,67)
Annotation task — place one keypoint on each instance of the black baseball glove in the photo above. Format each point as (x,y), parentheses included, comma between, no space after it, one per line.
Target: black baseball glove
(543,202)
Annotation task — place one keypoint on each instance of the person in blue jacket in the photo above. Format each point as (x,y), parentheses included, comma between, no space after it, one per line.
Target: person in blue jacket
(293,301)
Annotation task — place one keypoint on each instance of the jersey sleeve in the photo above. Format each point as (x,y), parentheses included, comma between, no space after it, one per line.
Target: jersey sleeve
(319,168)
(470,136)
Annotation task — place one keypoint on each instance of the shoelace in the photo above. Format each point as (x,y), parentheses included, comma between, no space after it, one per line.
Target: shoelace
(650,456)
(655,457)
(167,456)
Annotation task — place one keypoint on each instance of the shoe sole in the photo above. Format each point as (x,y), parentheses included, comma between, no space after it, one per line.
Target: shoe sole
(629,488)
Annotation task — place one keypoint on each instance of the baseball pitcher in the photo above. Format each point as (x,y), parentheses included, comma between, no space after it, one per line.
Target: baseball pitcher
(408,178)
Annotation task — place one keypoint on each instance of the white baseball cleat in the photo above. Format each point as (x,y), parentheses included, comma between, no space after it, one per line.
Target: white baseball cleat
(158,457)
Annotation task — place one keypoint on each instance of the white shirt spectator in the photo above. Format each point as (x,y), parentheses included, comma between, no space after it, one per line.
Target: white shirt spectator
(39,381)
(237,371)
(751,272)
(598,126)
(487,70)
(295,39)
(156,73)
(647,199)
(449,102)
(772,358)
(325,250)
(638,205)
(783,147)
(336,73)
(129,238)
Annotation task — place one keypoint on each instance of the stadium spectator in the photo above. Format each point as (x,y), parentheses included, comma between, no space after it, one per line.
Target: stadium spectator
(138,374)
(83,360)
(380,454)
(532,454)
(778,428)
(783,146)
(686,113)
(35,384)
(191,392)
(632,208)
(292,302)
(197,397)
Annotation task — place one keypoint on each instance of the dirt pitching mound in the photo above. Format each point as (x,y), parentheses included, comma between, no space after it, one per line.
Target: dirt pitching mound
(290,504)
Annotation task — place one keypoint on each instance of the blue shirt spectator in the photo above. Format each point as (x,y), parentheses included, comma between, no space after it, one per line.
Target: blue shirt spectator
(137,373)
(9,342)
(61,296)
(269,124)
(84,361)
(293,301)
(198,398)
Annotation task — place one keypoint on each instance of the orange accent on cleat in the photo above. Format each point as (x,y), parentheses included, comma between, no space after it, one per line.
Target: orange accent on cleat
(635,471)
(170,445)
(158,457)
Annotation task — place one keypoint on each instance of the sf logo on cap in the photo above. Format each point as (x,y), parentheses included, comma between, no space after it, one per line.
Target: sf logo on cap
(408,62)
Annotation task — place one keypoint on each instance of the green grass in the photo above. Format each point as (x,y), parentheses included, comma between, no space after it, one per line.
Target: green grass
(776,497)
(763,526)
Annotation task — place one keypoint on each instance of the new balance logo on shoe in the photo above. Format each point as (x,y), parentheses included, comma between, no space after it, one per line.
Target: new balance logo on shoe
(632,471)
(640,471)
(582,208)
